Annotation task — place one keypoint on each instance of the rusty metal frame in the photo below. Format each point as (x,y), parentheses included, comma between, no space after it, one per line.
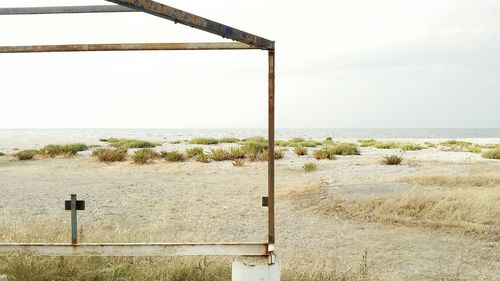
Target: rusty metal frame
(245,41)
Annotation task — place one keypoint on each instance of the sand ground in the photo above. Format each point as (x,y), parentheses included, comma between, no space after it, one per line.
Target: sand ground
(216,202)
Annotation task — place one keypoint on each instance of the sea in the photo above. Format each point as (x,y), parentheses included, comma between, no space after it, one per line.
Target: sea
(21,138)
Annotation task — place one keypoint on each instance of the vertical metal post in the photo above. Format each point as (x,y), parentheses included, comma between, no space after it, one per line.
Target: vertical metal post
(270,174)
(74,225)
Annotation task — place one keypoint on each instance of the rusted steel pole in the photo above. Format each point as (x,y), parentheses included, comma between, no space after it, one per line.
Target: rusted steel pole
(126,47)
(270,175)
(66,10)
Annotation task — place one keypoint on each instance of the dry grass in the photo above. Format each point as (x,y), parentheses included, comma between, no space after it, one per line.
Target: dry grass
(472,180)
(300,151)
(205,141)
(310,167)
(202,158)
(130,143)
(392,160)
(238,163)
(173,156)
(144,156)
(192,152)
(110,154)
(492,154)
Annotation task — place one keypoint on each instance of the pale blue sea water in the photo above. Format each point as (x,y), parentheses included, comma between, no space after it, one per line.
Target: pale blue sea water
(24,138)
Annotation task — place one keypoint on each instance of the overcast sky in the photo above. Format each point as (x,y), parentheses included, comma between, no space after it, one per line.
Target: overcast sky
(340,64)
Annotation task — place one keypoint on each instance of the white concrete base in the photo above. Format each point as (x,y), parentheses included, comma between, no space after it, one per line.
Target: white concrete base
(256,269)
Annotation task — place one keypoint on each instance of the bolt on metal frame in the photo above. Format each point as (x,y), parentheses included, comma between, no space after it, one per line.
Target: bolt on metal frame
(244,41)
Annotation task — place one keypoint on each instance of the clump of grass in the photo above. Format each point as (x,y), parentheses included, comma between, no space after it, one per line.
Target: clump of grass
(238,162)
(54,150)
(278,154)
(175,142)
(410,147)
(492,154)
(2,154)
(110,154)
(474,149)
(300,151)
(219,154)
(130,143)
(255,140)
(205,141)
(301,142)
(386,145)
(229,140)
(430,144)
(328,141)
(343,149)
(324,154)
(455,143)
(367,142)
(202,158)
(144,156)
(310,167)
(254,148)
(191,152)
(392,160)
(173,156)
(236,153)
(26,154)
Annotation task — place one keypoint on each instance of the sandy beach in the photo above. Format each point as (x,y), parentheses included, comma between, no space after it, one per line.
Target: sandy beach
(218,202)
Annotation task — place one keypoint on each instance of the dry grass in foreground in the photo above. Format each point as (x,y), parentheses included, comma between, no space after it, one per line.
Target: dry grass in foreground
(463,204)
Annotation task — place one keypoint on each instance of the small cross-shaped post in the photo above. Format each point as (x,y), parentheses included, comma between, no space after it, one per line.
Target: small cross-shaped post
(73,205)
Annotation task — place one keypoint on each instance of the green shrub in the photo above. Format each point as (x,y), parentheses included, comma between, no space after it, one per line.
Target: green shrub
(255,140)
(131,143)
(191,152)
(26,154)
(302,142)
(343,149)
(328,141)
(322,154)
(236,153)
(310,166)
(455,143)
(144,156)
(281,143)
(219,154)
(229,140)
(238,162)
(392,160)
(492,154)
(173,156)
(110,154)
(410,147)
(2,154)
(300,151)
(54,150)
(367,142)
(386,145)
(206,141)
(264,156)
(430,144)
(254,148)
(474,149)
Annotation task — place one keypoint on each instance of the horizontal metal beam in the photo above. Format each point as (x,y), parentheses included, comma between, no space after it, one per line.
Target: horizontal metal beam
(126,47)
(66,10)
(134,249)
(182,17)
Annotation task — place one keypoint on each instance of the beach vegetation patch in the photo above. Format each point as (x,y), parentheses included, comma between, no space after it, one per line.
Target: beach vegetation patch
(310,167)
(255,140)
(392,160)
(474,149)
(430,144)
(386,145)
(204,141)
(191,152)
(202,158)
(229,140)
(254,147)
(54,150)
(219,154)
(343,149)
(300,151)
(367,142)
(323,153)
(492,154)
(26,154)
(236,153)
(173,156)
(410,147)
(144,156)
(131,143)
(2,154)
(110,154)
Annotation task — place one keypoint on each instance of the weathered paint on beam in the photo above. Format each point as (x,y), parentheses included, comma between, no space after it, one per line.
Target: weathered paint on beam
(66,10)
(126,47)
(179,16)
(134,249)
